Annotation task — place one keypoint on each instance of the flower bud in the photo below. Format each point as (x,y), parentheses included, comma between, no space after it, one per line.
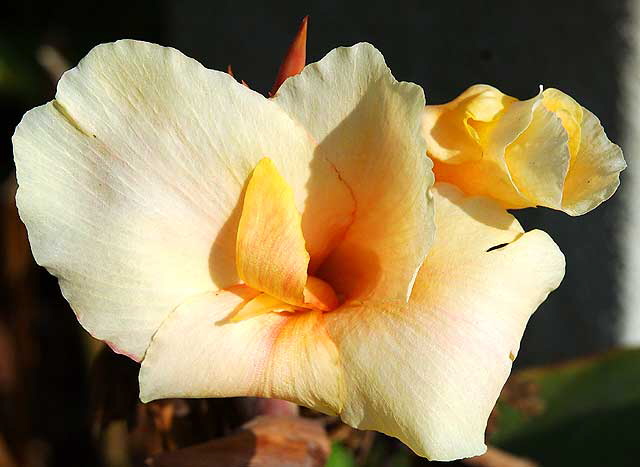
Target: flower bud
(545,151)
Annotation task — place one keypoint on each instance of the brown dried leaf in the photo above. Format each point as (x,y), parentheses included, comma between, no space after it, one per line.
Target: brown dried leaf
(495,457)
(265,441)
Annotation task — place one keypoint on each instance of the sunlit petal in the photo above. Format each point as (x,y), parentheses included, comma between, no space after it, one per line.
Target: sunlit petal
(430,372)
(595,173)
(450,129)
(197,352)
(538,159)
(569,112)
(131,181)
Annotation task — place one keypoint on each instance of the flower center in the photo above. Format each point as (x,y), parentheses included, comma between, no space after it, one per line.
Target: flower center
(271,253)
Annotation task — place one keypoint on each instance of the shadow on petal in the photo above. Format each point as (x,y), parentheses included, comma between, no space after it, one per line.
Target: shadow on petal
(225,244)
(478,208)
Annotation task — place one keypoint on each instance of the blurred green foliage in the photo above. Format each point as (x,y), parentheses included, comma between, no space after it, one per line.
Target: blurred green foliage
(340,456)
(21,78)
(582,413)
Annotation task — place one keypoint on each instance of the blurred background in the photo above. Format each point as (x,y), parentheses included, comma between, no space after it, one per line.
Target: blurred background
(64,401)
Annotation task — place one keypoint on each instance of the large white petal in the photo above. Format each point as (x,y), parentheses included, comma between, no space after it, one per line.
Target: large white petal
(130,184)
(369,126)
(199,352)
(430,372)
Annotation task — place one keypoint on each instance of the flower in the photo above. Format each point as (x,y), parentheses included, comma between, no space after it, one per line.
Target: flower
(545,151)
(291,247)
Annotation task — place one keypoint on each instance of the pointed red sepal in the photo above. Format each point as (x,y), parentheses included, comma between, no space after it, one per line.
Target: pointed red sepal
(295,59)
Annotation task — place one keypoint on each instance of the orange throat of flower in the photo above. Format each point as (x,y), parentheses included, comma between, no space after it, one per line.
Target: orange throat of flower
(271,254)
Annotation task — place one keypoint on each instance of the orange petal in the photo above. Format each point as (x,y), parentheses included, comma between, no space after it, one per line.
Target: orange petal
(270,248)
(319,295)
(260,305)
(295,59)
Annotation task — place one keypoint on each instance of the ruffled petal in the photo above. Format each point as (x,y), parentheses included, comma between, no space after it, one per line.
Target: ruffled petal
(569,112)
(545,151)
(130,184)
(486,122)
(451,129)
(368,126)
(430,372)
(199,352)
(595,173)
(524,153)
(538,159)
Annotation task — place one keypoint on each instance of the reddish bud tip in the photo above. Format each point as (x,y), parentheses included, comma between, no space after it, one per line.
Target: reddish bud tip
(295,59)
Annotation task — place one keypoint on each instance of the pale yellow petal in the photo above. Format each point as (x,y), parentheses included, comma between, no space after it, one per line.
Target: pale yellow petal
(130,184)
(525,158)
(595,173)
(489,175)
(430,372)
(538,160)
(368,126)
(197,352)
(569,112)
(545,151)
(270,251)
(451,129)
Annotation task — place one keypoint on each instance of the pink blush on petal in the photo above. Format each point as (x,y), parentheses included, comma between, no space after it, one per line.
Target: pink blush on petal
(113,347)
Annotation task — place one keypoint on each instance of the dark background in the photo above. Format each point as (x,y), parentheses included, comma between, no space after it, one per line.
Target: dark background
(445,46)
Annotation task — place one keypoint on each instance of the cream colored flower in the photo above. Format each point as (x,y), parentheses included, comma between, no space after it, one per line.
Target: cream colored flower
(545,151)
(287,247)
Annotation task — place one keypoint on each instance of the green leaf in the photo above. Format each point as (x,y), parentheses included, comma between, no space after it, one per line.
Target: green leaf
(340,456)
(583,413)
